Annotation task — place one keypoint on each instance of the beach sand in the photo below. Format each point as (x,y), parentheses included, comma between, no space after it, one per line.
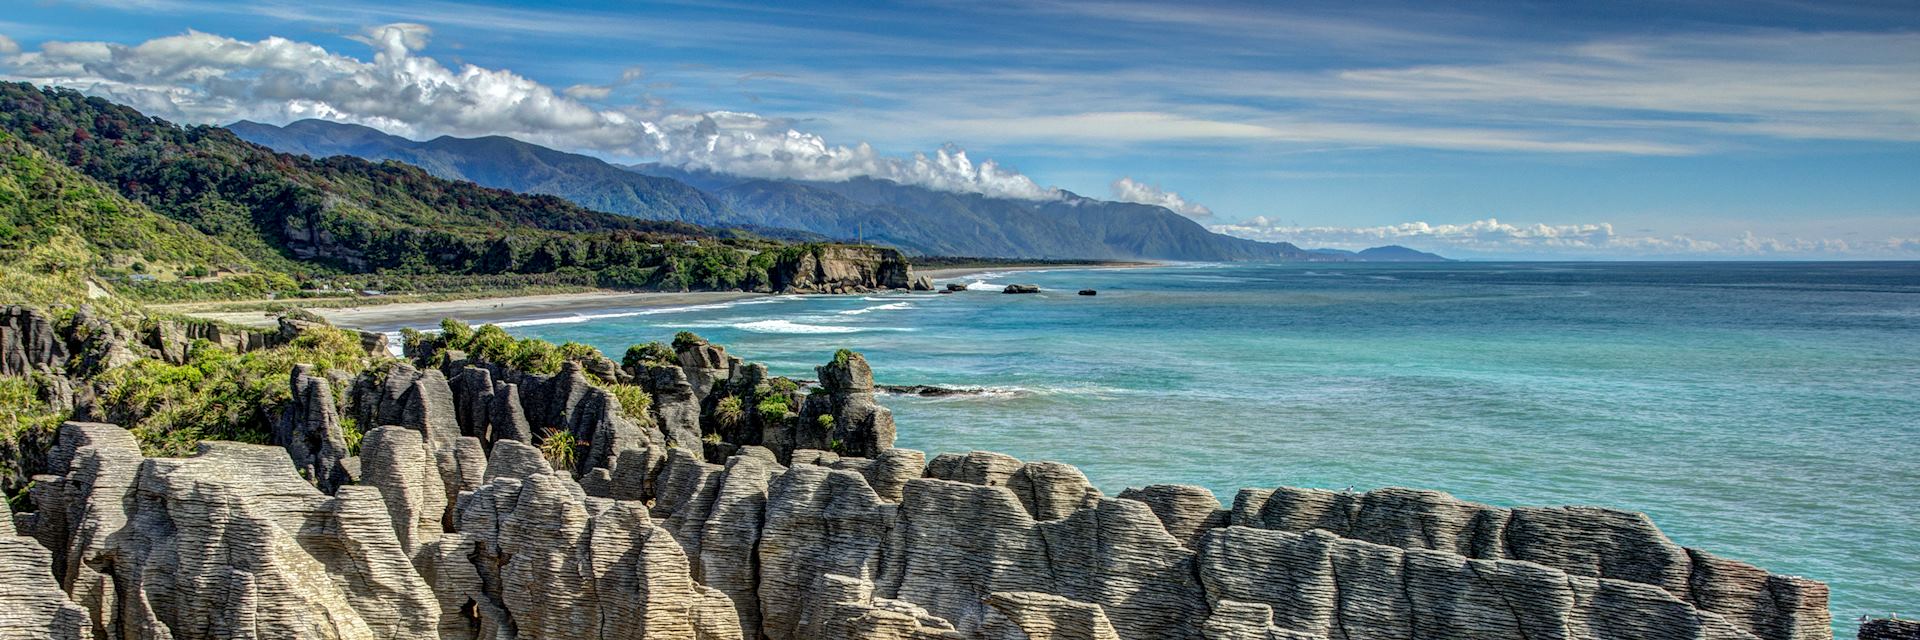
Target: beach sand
(389,317)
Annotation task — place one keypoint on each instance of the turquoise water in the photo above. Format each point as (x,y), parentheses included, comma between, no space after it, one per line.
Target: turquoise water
(1767,412)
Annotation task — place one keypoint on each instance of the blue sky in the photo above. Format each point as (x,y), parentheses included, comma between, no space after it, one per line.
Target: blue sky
(1582,130)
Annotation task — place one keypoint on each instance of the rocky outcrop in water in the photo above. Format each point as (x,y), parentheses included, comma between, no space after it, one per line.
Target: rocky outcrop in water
(844,269)
(1890,630)
(455,522)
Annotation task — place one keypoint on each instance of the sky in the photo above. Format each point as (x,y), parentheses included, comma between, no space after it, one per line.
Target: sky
(1754,129)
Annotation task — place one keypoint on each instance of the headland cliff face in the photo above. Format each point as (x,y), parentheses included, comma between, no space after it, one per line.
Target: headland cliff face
(487,502)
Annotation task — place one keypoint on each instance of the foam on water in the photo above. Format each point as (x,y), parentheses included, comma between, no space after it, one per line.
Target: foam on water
(885,307)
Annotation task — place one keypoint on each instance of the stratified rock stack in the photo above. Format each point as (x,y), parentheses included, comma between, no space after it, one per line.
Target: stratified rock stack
(846,415)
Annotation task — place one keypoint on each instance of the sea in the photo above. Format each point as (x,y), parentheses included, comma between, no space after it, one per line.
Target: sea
(1768,412)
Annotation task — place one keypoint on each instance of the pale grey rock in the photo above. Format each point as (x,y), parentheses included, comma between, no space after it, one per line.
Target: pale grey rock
(960,542)
(514,459)
(32,606)
(396,460)
(974,467)
(845,608)
(1051,490)
(1027,615)
(728,558)
(562,567)
(1319,585)
(819,521)
(1187,511)
(892,469)
(1581,541)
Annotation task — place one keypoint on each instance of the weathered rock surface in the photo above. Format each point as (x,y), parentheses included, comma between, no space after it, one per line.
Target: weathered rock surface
(28,342)
(309,429)
(1581,541)
(452,524)
(858,424)
(841,268)
(1890,630)
(1021,288)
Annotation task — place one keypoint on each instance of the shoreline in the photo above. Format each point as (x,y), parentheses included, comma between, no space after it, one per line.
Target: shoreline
(950,273)
(393,316)
(482,309)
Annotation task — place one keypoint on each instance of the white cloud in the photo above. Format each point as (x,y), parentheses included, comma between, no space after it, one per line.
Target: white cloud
(202,77)
(1126,189)
(1493,238)
(8,46)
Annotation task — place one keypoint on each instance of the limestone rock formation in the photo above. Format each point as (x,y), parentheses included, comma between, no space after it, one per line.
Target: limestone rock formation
(453,524)
(840,269)
(1580,541)
(309,428)
(858,424)
(28,342)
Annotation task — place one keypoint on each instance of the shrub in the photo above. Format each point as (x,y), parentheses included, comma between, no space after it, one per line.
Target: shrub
(640,355)
(635,404)
(685,340)
(559,448)
(772,407)
(218,394)
(729,412)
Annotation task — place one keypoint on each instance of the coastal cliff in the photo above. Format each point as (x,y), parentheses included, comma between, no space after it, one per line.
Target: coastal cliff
(501,489)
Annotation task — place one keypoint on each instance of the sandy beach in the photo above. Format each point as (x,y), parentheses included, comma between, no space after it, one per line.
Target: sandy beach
(389,317)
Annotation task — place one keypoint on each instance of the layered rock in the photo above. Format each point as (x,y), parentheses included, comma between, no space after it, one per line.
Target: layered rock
(453,524)
(29,342)
(309,428)
(1580,541)
(854,424)
(842,269)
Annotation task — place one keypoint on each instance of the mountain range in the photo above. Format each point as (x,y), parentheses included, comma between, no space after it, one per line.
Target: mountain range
(915,219)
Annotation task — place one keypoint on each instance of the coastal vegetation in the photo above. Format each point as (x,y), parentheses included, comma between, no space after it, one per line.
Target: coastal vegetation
(167,213)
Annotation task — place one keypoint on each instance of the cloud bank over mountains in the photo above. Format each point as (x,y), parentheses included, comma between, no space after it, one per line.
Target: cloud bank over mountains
(206,78)
(1126,189)
(1492,238)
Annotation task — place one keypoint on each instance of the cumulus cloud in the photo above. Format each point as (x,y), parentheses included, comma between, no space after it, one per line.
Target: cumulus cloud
(1126,189)
(8,46)
(203,77)
(1493,238)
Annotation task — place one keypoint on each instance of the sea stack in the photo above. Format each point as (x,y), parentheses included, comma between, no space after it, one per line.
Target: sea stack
(1021,288)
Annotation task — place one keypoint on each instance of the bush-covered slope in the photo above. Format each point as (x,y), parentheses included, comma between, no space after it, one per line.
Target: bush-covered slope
(321,218)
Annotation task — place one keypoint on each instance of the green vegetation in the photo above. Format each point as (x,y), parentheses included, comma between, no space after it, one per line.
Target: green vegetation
(729,412)
(772,407)
(204,214)
(640,355)
(27,423)
(560,449)
(685,340)
(635,404)
(841,357)
(217,394)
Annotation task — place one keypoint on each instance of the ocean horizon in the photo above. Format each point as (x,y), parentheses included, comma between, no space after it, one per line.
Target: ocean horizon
(1764,411)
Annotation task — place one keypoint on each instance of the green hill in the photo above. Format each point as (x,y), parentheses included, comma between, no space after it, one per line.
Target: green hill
(321,219)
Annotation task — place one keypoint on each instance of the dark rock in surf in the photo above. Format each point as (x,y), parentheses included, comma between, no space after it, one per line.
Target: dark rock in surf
(1021,288)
